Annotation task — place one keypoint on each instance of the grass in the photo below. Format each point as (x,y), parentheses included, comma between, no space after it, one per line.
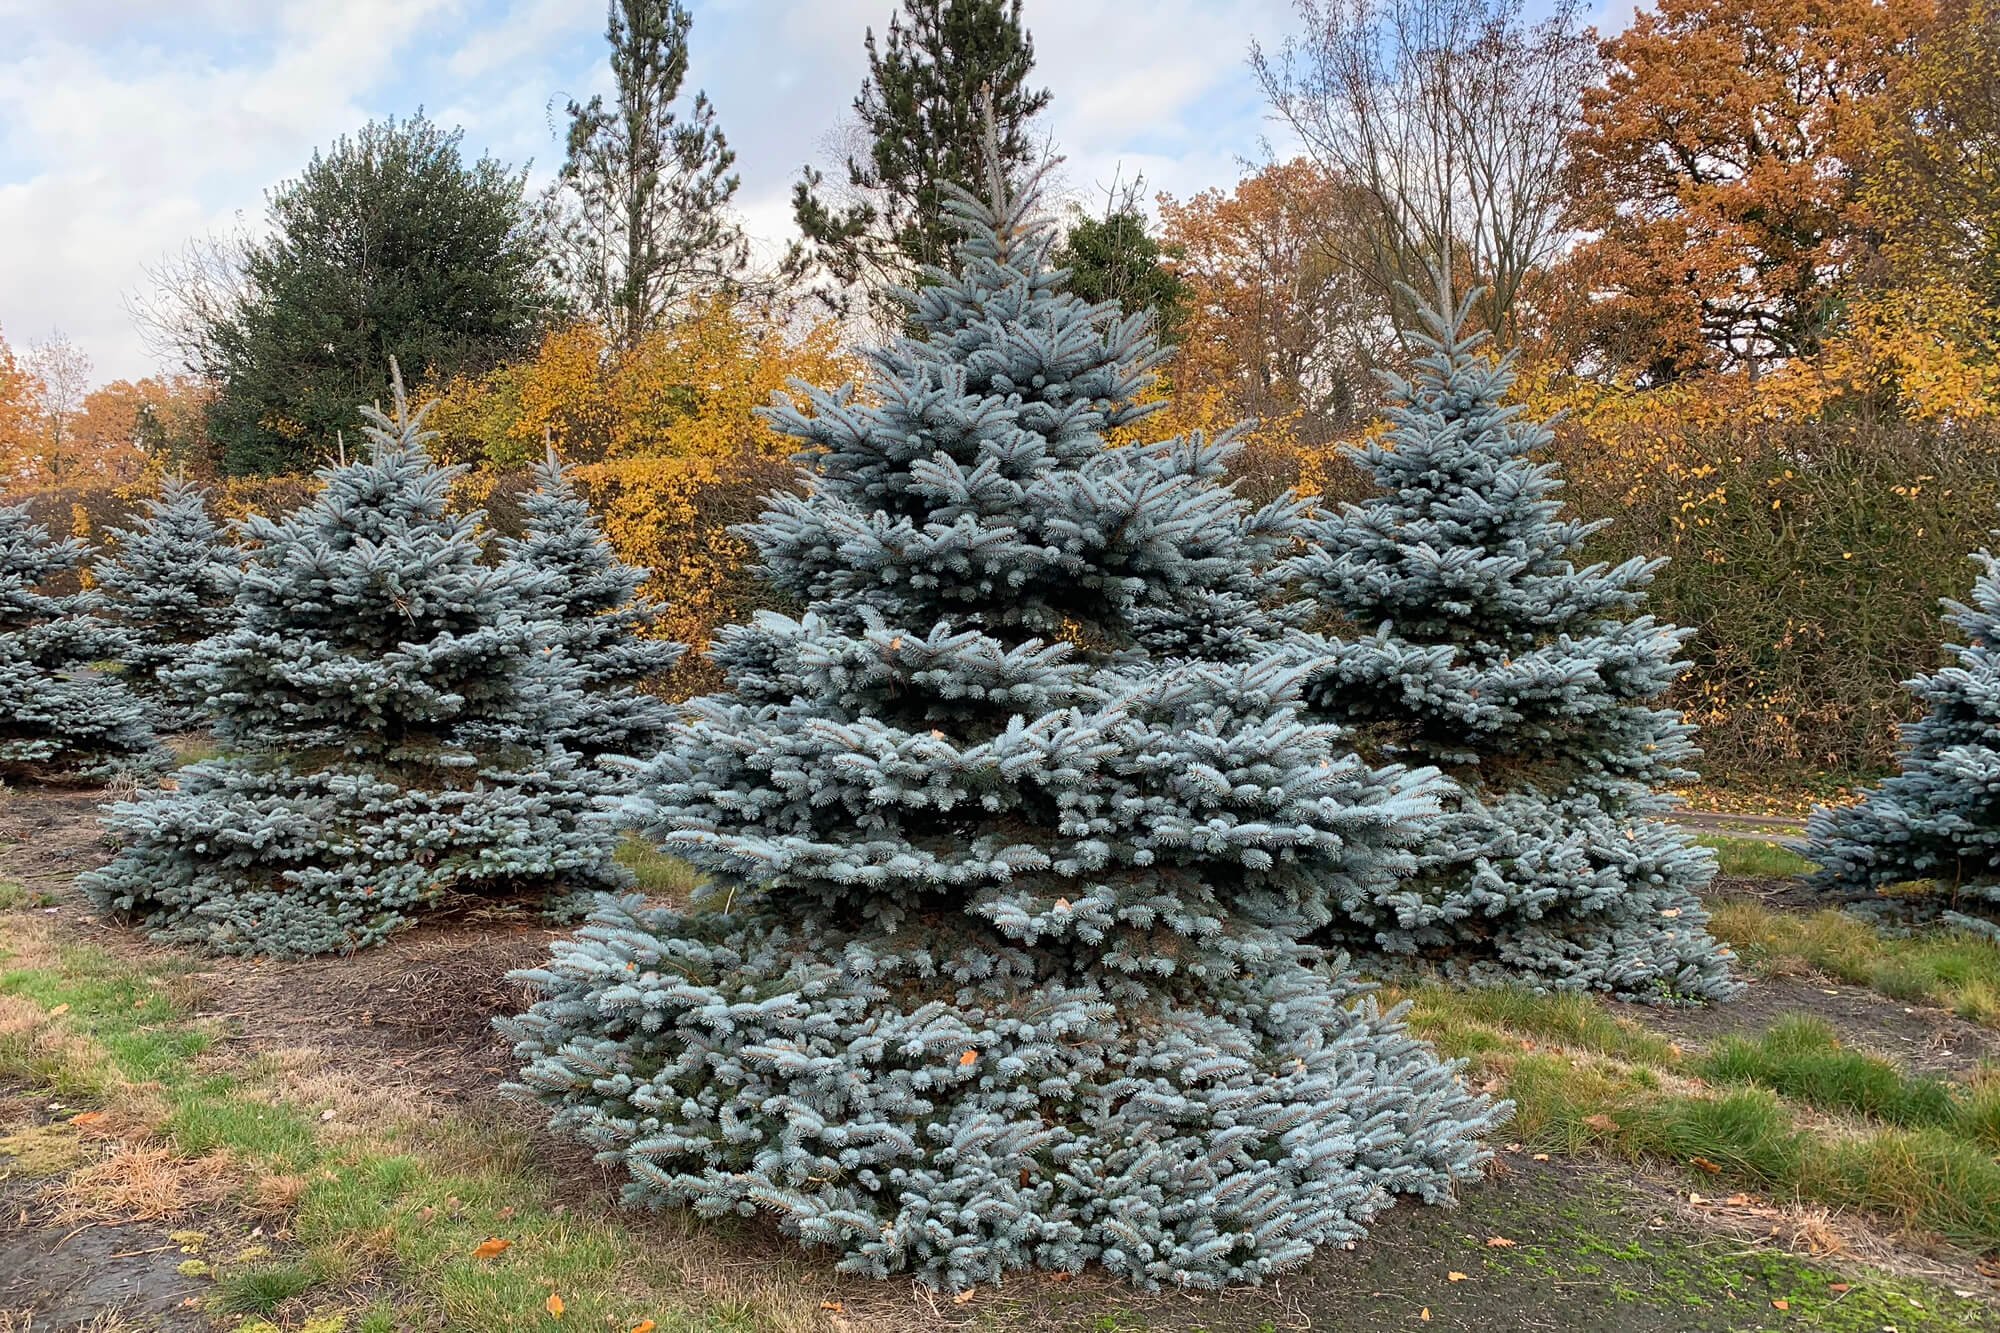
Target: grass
(1752,858)
(386,1204)
(1955,969)
(658,873)
(1803,1059)
(371,1191)
(1918,1153)
(14,896)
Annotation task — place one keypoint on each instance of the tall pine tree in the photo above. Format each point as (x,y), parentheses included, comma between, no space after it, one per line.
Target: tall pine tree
(998,959)
(1479,646)
(384,703)
(168,583)
(641,206)
(1938,819)
(61,715)
(388,245)
(596,616)
(922,111)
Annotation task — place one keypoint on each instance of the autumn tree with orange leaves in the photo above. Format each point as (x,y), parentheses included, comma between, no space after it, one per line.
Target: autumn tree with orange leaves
(1718,168)
(1275,316)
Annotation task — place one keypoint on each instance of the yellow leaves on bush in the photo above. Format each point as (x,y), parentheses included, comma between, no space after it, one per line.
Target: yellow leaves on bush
(690,389)
(672,516)
(667,443)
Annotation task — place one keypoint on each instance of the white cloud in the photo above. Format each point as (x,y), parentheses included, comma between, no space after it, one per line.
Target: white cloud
(127,127)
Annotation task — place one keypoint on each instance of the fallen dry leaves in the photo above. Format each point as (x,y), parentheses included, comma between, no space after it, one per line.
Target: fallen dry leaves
(491,1248)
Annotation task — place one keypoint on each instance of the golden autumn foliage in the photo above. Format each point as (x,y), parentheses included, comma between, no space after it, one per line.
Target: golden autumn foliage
(16,418)
(685,390)
(664,438)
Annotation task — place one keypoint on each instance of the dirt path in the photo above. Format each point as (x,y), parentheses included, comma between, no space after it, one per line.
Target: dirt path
(1920,1038)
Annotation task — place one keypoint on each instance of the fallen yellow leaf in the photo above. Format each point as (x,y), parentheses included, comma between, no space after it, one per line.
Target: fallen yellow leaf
(1425,1314)
(834,1306)
(1703,1164)
(491,1248)
(644,1326)
(1499,1243)
(966,1295)
(1454,1276)
(1781,1304)
(1838,1288)
(554,1305)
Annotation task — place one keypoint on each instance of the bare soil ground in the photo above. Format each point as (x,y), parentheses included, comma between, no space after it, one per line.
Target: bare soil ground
(1581,1246)
(1920,1038)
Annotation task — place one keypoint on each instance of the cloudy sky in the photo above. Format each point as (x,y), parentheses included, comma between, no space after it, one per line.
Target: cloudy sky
(128,126)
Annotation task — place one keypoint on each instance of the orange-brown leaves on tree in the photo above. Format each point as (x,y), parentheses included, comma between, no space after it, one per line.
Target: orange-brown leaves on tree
(1717,171)
(1277,328)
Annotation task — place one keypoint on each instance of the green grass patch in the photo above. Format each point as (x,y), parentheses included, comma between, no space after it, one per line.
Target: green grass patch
(408,1204)
(1956,969)
(15,897)
(658,873)
(1752,858)
(262,1288)
(1465,1022)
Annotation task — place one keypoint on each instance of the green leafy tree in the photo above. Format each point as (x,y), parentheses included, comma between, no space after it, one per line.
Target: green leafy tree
(388,245)
(1117,258)
(921,112)
(641,219)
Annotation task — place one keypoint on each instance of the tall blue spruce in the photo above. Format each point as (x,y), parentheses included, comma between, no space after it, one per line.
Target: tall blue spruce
(61,714)
(1473,642)
(598,617)
(384,703)
(998,962)
(1937,821)
(167,583)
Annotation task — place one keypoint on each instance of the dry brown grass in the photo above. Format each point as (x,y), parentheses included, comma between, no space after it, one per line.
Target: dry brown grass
(142,1183)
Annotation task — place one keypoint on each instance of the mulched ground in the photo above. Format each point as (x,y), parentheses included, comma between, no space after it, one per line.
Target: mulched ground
(419,1010)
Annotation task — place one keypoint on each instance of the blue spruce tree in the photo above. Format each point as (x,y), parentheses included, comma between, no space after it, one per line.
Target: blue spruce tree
(1938,819)
(998,961)
(60,715)
(597,616)
(168,584)
(1477,645)
(384,704)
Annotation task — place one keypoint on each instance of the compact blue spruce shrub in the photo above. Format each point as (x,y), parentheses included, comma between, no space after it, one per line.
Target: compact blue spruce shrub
(384,701)
(596,615)
(61,713)
(1935,825)
(1471,640)
(168,583)
(998,963)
